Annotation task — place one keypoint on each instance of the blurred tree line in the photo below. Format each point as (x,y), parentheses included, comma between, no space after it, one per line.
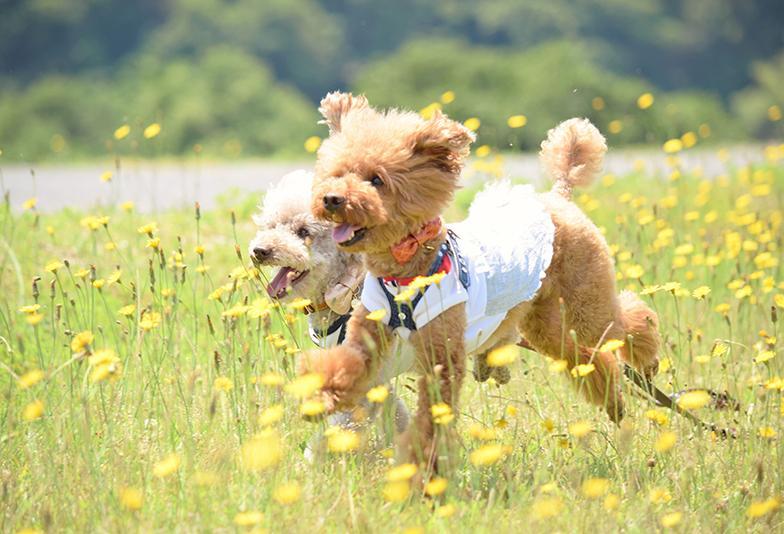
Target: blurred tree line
(241,77)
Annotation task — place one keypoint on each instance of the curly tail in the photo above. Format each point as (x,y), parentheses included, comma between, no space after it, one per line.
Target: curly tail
(572,155)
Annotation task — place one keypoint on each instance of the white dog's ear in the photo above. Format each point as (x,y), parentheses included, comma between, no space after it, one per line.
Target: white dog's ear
(337,105)
(443,138)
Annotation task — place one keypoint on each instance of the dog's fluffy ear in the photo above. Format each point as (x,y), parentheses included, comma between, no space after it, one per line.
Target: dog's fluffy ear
(445,140)
(337,105)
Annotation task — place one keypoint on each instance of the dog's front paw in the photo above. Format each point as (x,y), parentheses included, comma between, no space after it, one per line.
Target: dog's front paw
(342,370)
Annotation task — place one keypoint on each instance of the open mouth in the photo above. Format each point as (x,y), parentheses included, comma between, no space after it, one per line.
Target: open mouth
(346,234)
(285,277)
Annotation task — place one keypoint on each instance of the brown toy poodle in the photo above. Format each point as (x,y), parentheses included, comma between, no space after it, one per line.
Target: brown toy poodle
(521,264)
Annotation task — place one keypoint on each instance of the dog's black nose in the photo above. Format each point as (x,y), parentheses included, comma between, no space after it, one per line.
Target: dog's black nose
(333,201)
(262,253)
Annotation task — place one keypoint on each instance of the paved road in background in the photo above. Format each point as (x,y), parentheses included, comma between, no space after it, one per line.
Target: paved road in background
(155,186)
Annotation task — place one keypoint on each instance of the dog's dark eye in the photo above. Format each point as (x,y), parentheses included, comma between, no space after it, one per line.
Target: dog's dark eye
(376,181)
(303,233)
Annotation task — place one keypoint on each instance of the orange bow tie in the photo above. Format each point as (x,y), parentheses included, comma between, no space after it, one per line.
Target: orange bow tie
(404,250)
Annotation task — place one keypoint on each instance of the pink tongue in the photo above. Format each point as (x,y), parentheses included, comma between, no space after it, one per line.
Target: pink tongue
(279,283)
(344,232)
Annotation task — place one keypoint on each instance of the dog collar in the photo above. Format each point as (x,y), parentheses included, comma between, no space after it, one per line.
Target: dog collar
(445,267)
(405,249)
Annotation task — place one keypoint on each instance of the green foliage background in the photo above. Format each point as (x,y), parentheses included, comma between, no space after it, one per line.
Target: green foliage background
(242,77)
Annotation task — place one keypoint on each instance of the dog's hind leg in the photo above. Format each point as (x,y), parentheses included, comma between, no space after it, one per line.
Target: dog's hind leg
(544,330)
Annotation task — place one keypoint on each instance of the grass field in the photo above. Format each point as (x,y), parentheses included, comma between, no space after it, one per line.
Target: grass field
(145,383)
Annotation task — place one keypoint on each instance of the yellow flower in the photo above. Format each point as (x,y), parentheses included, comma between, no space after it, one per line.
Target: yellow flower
(376,315)
(106,176)
(235,311)
(33,411)
(694,400)
(378,394)
(287,493)
(340,441)
(557,366)
(30,308)
(396,491)
(312,408)
(670,520)
(105,364)
(767,432)
(406,295)
(447,97)
(615,127)
(761,508)
(701,292)
(401,472)
(300,304)
(722,308)
(665,441)
(262,451)
(114,277)
(583,369)
(127,311)
(488,454)
(34,318)
(447,510)
(593,488)
(199,249)
(81,341)
(472,124)
(30,203)
(152,130)
(150,320)
(645,100)
(597,103)
(52,266)
(659,496)
(99,283)
(122,132)
(672,146)
(223,383)
(131,498)
(127,206)
(580,429)
(611,345)
(481,432)
(774,113)
(689,139)
(154,243)
(502,356)
(312,143)
(547,507)
(517,121)
(764,356)
(271,415)
(30,378)
(421,282)
(634,271)
(305,385)
(442,413)
(248,519)
(149,228)
(778,300)
(436,486)
(167,466)
(272,379)
(657,416)
(611,502)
